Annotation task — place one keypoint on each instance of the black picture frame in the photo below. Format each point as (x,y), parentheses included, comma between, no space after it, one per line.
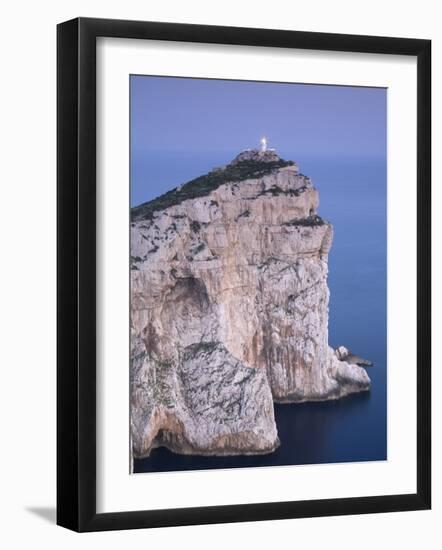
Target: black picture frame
(76,274)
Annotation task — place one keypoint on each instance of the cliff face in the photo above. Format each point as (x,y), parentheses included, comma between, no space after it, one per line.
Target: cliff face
(229,303)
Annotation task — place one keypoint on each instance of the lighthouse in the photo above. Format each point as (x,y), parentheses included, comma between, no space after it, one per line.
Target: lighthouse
(263,145)
(263,142)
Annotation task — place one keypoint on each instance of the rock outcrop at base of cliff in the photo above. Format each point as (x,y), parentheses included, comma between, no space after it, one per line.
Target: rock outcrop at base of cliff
(207,403)
(229,309)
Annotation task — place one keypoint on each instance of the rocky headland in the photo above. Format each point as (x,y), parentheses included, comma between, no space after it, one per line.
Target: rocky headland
(229,310)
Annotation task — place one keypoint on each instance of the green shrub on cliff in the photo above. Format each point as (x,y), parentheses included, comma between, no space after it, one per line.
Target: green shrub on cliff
(203,185)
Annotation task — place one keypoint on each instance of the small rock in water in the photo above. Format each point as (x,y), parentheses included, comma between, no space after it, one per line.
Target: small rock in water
(343,354)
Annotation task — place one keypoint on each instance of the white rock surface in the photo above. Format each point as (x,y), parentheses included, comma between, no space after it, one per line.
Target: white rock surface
(229,312)
(342,352)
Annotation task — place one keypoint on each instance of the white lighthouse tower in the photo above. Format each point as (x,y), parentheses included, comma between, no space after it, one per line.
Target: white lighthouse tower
(263,142)
(264,145)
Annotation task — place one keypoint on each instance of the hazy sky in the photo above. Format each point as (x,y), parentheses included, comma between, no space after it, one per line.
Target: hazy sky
(182,127)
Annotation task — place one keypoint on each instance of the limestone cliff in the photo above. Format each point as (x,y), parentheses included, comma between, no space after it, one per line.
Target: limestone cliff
(229,309)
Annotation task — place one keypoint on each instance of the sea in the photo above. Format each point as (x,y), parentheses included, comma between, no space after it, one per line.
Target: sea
(353,197)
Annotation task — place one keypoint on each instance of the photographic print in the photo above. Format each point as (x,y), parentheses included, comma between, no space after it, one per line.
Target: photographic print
(257,274)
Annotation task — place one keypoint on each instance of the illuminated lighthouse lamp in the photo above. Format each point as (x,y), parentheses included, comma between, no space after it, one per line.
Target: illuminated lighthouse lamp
(263,142)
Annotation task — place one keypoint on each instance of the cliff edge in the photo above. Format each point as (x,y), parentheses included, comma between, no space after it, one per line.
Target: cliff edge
(229,309)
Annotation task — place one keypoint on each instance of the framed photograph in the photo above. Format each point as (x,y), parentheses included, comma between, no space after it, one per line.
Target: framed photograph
(243,274)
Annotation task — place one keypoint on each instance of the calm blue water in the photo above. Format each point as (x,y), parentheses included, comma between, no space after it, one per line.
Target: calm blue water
(353,198)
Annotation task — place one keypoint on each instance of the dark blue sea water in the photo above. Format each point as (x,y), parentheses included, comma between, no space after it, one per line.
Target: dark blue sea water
(353,198)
